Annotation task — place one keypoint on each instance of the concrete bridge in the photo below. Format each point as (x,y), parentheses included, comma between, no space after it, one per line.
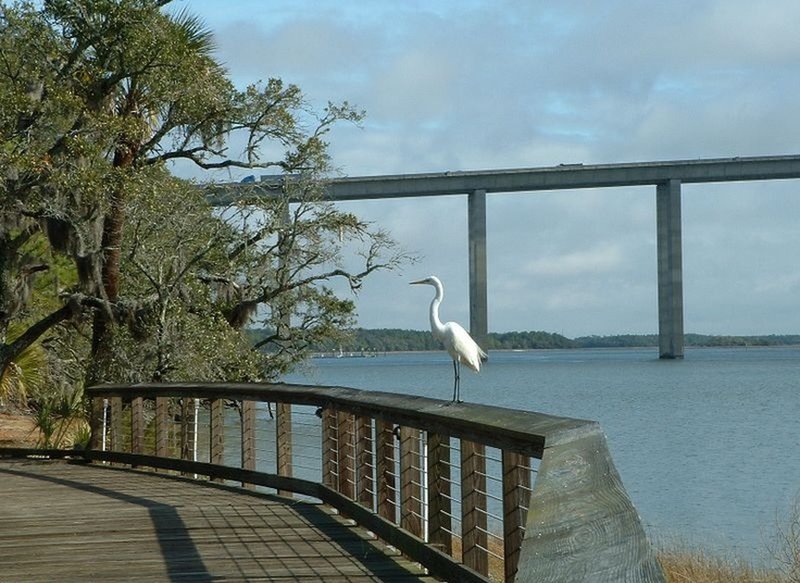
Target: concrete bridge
(667,177)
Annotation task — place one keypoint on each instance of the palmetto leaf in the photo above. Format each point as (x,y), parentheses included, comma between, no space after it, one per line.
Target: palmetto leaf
(26,374)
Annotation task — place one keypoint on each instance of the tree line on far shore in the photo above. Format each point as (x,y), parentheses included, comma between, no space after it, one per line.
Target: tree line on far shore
(397,340)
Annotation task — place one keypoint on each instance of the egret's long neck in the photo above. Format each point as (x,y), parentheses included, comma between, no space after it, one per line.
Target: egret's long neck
(436,324)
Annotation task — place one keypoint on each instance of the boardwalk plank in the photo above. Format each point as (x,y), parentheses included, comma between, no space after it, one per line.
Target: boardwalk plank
(76,522)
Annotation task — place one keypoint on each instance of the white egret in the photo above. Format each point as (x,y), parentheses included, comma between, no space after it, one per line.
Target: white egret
(457,341)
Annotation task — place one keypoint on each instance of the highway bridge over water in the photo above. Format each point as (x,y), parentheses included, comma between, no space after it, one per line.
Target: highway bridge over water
(666,176)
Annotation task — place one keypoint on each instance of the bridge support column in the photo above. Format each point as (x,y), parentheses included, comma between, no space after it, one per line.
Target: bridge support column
(478,312)
(670,269)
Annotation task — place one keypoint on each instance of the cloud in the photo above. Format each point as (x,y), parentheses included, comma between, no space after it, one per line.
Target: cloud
(599,259)
(502,84)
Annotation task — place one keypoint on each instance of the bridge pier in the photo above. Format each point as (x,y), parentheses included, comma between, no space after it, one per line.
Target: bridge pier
(670,269)
(476,223)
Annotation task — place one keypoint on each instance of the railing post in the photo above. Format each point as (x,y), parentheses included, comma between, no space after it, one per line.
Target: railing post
(516,496)
(115,427)
(188,430)
(473,506)
(384,470)
(162,426)
(283,441)
(365,483)
(96,423)
(439,493)
(248,438)
(329,448)
(217,434)
(137,425)
(410,480)
(346,455)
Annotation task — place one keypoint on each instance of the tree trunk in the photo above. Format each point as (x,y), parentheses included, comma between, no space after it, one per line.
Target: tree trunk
(113,225)
(10,351)
(5,289)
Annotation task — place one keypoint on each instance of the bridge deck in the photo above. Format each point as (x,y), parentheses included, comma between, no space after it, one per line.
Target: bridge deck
(64,521)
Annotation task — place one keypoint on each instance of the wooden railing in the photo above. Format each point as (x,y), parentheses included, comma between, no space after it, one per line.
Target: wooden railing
(472,492)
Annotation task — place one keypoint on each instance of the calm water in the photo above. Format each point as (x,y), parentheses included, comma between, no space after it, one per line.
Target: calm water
(707,447)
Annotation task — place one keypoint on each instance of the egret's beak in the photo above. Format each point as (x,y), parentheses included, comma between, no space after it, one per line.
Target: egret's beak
(416,282)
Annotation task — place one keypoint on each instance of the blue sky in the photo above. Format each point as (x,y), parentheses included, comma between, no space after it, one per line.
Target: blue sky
(472,85)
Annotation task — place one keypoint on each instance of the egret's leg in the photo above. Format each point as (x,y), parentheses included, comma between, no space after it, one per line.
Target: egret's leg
(455,379)
(458,381)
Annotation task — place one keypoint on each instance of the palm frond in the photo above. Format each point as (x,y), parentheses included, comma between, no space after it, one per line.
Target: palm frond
(25,375)
(197,35)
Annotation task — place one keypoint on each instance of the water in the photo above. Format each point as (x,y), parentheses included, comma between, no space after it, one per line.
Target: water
(706,447)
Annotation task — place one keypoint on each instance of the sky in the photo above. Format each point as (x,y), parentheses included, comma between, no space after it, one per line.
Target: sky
(492,84)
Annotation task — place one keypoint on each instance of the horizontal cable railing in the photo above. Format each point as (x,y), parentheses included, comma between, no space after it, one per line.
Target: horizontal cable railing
(450,485)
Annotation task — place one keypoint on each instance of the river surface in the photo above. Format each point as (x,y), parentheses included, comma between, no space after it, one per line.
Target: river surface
(707,447)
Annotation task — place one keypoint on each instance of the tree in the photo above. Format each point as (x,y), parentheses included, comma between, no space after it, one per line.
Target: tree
(97,97)
(283,263)
(201,276)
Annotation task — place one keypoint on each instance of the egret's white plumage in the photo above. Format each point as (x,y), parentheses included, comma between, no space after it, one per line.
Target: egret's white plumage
(457,341)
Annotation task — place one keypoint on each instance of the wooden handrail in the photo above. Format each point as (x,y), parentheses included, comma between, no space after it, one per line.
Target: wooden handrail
(386,462)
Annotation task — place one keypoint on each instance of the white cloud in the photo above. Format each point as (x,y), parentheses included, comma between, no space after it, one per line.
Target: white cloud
(472,85)
(604,258)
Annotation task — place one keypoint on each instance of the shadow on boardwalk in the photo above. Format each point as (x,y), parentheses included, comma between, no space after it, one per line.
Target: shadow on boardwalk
(70,521)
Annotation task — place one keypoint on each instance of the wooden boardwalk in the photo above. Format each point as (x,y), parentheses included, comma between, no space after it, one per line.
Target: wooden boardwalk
(63,521)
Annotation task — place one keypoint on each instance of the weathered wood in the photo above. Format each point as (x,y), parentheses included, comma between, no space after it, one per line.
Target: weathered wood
(516,497)
(329,449)
(96,413)
(283,441)
(440,526)
(248,412)
(137,425)
(365,463)
(620,537)
(581,525)
(162,446)
(502,428)
(153,527)
(439,564)
(410,481)
(188,428)
(474,537)
(384,470)
(217,432)
(346,454)
(115,429)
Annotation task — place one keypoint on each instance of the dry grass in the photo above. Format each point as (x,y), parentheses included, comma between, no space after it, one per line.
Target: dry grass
(18,430)
(697,567)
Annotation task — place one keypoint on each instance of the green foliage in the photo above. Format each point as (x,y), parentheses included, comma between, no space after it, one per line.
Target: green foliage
(61,420)
(637,340)
(97,99)
(396,340)
(528,340)
(195,348)
(25,376)
(617,341)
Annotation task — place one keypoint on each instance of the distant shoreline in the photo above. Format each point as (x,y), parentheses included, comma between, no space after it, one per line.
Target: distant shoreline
(368,341)
(368,354)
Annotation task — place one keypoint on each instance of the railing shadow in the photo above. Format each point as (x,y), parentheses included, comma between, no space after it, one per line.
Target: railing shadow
(179,552)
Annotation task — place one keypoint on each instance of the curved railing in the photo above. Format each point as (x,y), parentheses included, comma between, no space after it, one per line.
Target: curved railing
(469,491)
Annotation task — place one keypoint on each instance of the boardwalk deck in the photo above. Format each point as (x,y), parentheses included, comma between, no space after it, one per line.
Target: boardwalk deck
(64,521)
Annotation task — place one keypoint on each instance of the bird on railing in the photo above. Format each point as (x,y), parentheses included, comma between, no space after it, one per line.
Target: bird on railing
(457,341)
